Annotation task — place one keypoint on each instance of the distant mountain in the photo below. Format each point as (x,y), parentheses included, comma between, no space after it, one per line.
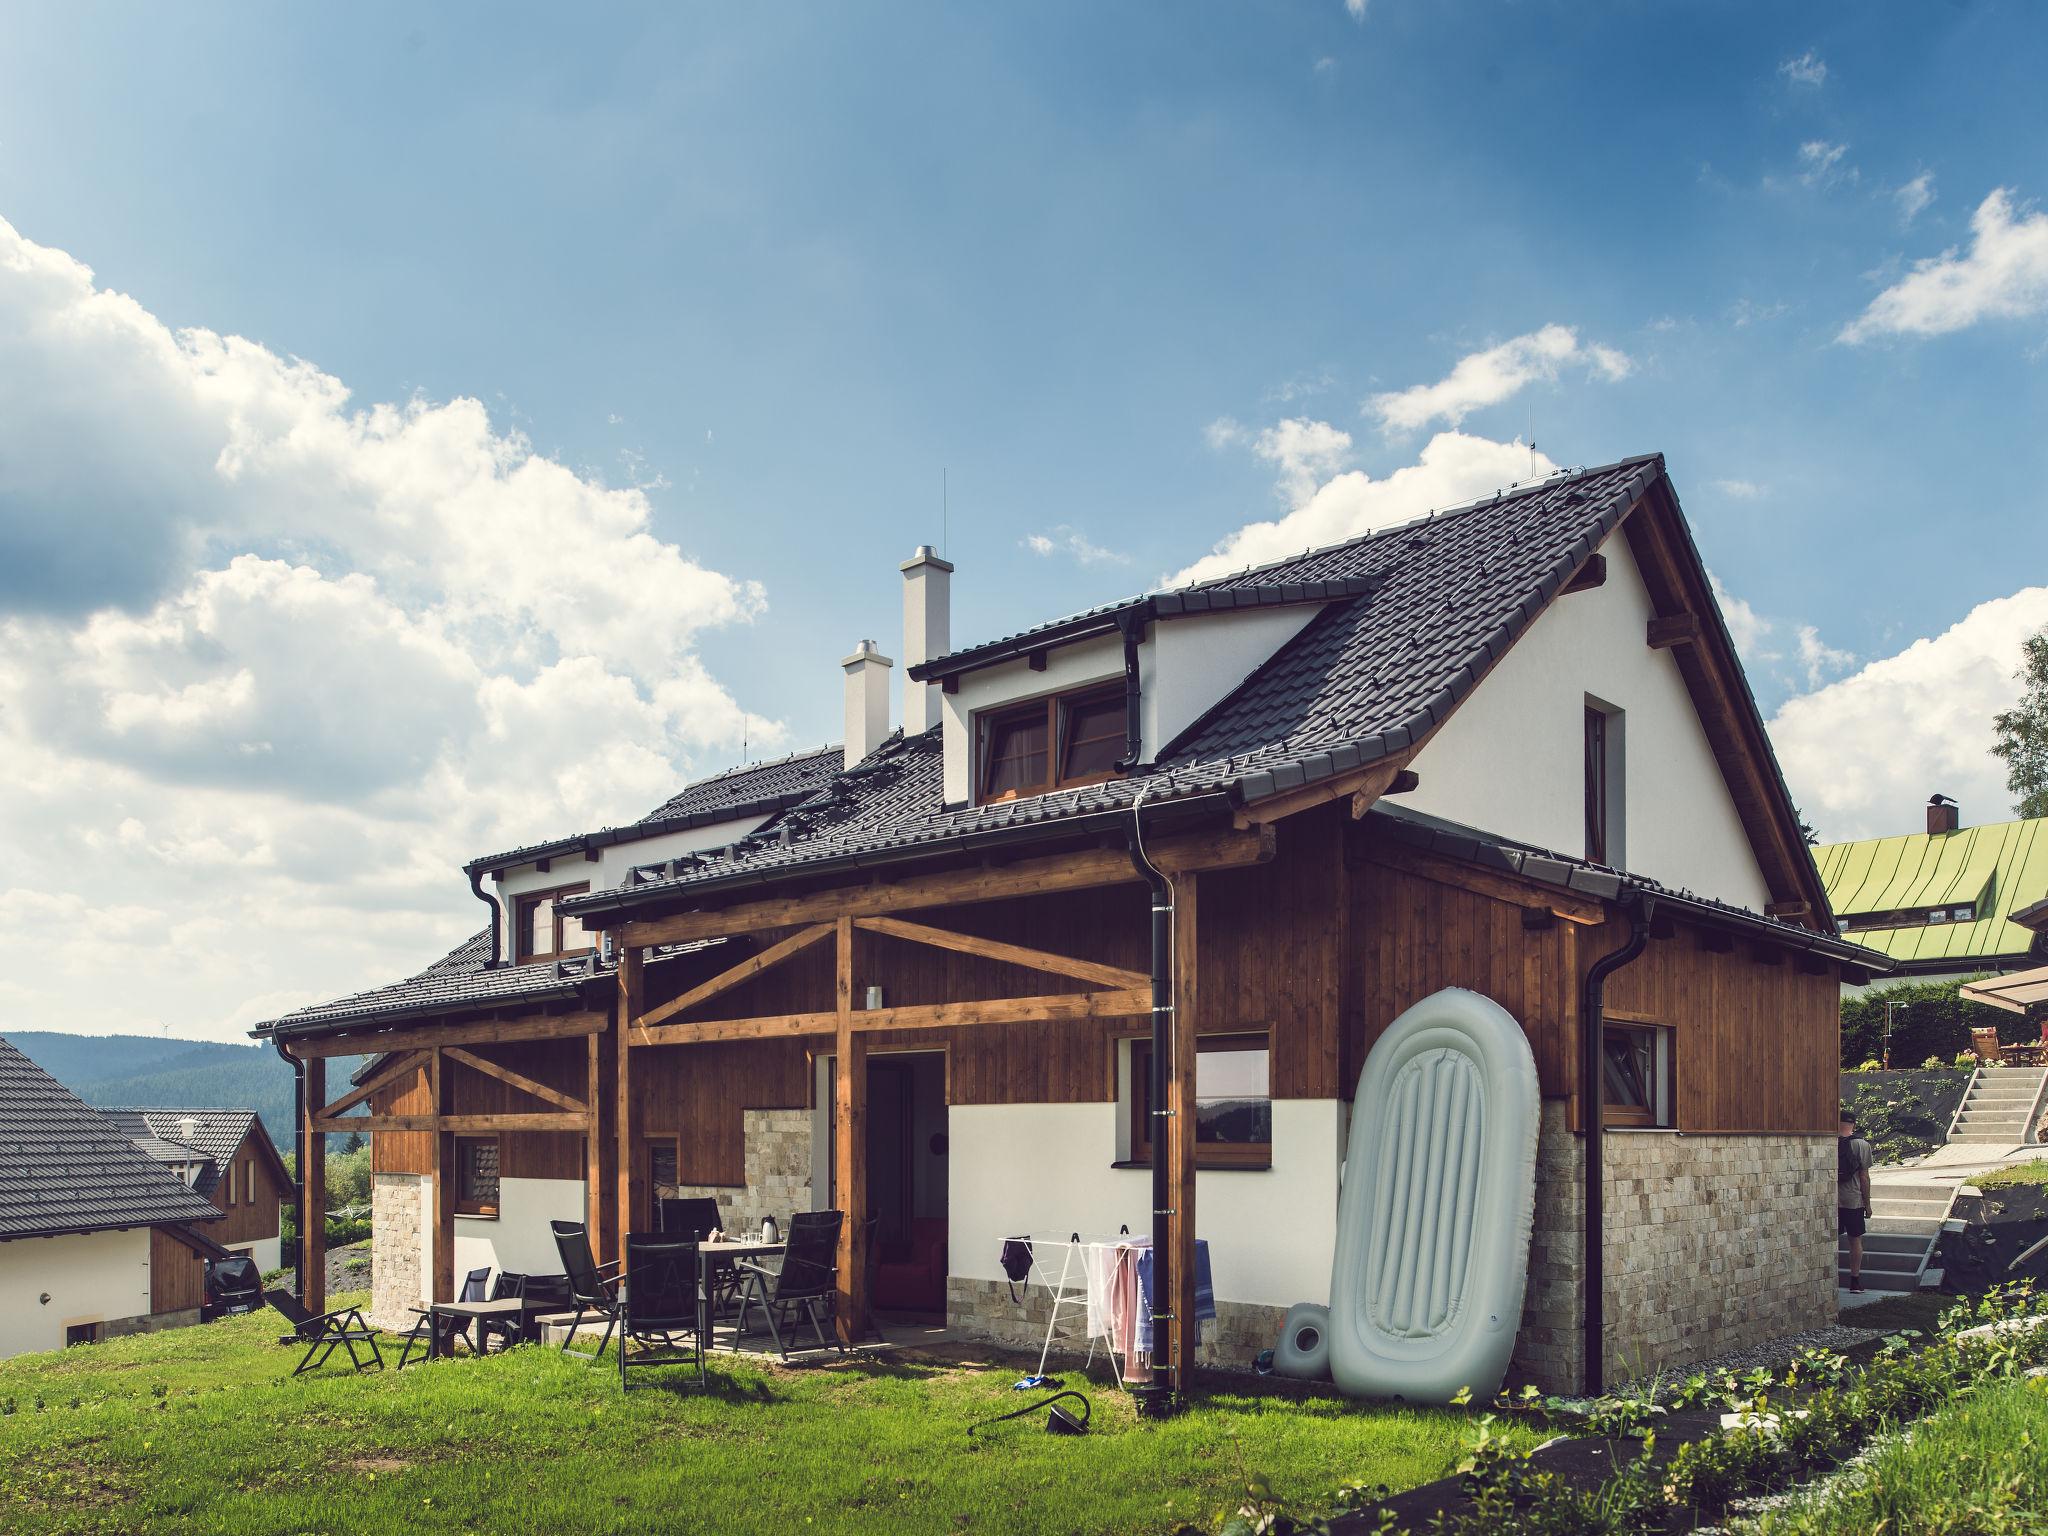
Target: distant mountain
(177,1074)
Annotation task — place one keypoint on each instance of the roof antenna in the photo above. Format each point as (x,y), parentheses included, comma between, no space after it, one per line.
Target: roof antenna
(945,511)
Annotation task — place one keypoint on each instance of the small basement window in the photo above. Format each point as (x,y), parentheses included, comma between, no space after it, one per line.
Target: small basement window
(81,1333)
(476,1175)
(1233,1101)
(1637,1083)
(1051,743)
(544,931)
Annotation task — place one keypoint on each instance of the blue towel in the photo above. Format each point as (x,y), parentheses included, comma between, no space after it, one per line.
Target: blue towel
(1205,1289)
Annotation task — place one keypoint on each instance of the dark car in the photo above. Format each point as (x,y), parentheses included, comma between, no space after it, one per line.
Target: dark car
(233,1284)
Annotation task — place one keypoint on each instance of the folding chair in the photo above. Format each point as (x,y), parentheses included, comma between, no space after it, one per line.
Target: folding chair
(661,1301)
(323,1335)
(805,1287)
(506,1330)
(421,1334)
(591,1290)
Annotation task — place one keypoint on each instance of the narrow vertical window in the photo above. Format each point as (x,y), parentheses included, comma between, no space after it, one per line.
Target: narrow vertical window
(1596,785)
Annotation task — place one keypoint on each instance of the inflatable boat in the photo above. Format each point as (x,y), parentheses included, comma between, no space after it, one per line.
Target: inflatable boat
(1432,1255)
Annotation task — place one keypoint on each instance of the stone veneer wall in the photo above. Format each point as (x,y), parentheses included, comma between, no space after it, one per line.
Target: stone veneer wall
(1713,1243)
(395,1218)
(778,1170)
(148,1322)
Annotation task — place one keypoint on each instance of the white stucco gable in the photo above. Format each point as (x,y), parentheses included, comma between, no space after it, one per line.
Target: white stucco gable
(1511,760)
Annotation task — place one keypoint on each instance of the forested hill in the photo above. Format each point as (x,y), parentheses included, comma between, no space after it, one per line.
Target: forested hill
(187,1074)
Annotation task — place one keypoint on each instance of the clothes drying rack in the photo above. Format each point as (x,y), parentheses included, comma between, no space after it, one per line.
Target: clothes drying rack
(1068,1286)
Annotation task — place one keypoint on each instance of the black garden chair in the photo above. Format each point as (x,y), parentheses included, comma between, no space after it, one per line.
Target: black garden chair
(506,1330)
(343,1328)
(694,1217)
(806,1287)
(592,1292)
(421,1335)
(660,1307)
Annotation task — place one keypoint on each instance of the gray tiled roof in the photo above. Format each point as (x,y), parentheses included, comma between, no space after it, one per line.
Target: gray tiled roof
(215,1134)
(753,789)
(1369,675)
(65,1167)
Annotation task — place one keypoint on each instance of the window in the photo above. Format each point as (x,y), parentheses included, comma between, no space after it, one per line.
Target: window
(231,1185)
(476,1175)
(1233,1101)
(662,1163)
(1051,743)
(1604,784)
(249,1182)
(81,1333)
(1911,917)
(543,931)
(1637,1081)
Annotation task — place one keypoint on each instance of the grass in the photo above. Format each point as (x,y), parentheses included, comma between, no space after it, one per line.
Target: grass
(2013,1177)
(203,1429)
(1975,1468)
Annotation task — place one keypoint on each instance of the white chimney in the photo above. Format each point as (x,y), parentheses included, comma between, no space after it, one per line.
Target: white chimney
(927,632)
(867,700)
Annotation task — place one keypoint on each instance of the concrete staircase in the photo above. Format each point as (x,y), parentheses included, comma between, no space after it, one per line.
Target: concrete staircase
(1904,1221)
(1999,1106)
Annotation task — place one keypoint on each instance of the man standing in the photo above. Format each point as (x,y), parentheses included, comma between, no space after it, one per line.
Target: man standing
(1852,1194)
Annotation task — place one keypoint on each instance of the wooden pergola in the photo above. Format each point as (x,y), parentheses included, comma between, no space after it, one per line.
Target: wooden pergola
(839,916)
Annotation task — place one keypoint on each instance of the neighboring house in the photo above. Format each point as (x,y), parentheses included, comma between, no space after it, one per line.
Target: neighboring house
(1349,766)
(228,1157)
(97,1238)
(1947,903)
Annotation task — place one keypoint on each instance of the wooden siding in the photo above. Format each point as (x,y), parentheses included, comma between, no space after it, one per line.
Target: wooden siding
(177,1275)
(402,1151)
(561,1064)
(247,1220)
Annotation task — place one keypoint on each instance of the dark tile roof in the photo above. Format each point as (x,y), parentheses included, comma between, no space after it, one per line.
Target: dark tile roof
(1443,597)
(213,1134)
(753,789)
(67,1168)
(461,981)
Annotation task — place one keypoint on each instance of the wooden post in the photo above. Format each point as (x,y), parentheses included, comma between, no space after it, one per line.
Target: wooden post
(1178,1350)
(445,1175)
(313,1214)
(626,1121)
(849,1145)
(593,1144)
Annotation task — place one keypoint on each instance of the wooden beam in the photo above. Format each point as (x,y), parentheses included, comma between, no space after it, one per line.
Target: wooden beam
(849,1145)
(1677,629)
(1184,1331)
(1590,575)
(625,1115)
(1027,877)
(578,1109)
(746,970)
(313,1213)
(409,1062)
(537,1120)
(593,1148)
(1499,884)
(1788,909)
(445,1174)
(556,1026)
(782,1026)
(372,1124)
(1013,954)
(1361,787)
(1123,1002)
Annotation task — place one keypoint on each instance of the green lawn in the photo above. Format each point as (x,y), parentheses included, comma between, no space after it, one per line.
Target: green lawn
(203,1429)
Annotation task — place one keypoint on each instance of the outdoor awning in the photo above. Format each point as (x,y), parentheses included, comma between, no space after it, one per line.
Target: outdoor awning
(2014,993)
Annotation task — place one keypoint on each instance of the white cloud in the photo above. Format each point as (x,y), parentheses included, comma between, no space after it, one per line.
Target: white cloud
(1453,468)
(1820,659)
(1820,163)
(1356,8)
(1071,542)
(1747,312)
(1486,378)
(1914,196)
(2002,276)
(1864,752)
(1325,65)
(273,663)
(1740,490)
(1808,69)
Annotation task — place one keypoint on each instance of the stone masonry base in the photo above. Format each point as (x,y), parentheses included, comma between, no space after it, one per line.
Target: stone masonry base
(395,1218)
(778,1171)
(983,1309)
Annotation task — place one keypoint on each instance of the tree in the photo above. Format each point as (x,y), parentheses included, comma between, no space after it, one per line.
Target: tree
(2023,732)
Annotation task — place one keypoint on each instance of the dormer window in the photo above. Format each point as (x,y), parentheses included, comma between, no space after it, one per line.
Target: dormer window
(544,931)
(1050,743)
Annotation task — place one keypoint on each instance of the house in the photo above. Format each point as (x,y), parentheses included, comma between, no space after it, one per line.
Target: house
(1207,844)
(97,1238)
(1948,903)
(227,1156)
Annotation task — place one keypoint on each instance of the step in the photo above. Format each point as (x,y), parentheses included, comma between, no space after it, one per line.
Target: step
(1923,1228)
(1885,1263)
(1880,1281)
(2004,1088)
(1884,1209)
(1985,1140)
(1903,1189)
(1887,1242)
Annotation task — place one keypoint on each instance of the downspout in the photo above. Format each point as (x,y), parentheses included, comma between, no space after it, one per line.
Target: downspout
(1133,627)
(476,884)
(1592,1083)
(1155,1400)
(298,1161)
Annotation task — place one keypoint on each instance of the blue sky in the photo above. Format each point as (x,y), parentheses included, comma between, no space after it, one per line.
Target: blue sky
(747,281)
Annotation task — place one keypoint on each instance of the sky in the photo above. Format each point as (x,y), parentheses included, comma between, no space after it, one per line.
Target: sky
(424,431)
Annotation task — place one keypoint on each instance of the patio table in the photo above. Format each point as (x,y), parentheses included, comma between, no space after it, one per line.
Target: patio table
(467,1313)
(725,1248)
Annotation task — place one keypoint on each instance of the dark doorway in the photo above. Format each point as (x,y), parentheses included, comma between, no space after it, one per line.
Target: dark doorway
(906,1178)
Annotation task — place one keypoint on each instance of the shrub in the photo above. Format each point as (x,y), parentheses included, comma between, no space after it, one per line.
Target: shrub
(1872,1065)
(1966,1061)
(1932,1064)
(1935,1021)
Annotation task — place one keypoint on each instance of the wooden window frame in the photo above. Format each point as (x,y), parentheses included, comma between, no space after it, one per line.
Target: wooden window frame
(522,924)
(1630,1117)
(477,1207)
(1214,1154)
(230,1182)
(1055,708)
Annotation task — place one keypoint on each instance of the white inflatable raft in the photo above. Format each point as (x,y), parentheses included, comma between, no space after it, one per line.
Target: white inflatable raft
(1439,1191)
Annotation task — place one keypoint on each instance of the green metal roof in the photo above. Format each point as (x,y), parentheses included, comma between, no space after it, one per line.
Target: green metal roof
(2000,868)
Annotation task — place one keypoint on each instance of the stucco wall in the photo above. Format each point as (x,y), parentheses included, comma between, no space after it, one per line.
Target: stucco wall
(267,1253)
(92,1277)
(1681,825)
